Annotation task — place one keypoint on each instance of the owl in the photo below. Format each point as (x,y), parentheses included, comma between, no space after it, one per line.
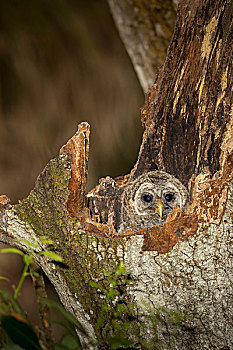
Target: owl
(149,199)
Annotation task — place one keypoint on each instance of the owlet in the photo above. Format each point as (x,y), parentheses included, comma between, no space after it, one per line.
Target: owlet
(148,200)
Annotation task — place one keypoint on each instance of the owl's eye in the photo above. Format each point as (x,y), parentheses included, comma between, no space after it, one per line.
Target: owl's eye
(169,197)
(147,197)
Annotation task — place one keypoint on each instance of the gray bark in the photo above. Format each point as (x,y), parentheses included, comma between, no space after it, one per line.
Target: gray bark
(146,29)
(195,278)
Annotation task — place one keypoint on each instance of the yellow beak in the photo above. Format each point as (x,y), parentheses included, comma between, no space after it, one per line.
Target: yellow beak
(160,207)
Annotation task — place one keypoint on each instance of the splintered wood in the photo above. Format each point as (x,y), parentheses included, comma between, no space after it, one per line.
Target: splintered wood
(77,149)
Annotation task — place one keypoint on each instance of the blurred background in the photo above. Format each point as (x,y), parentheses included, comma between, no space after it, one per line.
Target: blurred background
(61,62)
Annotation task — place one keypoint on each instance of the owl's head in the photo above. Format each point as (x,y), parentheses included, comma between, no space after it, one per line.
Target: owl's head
(149,199)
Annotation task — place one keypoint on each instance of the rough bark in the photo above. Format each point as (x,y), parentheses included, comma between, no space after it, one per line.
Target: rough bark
(186,264)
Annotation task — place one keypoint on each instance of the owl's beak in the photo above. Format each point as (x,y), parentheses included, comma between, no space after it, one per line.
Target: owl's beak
(160,207)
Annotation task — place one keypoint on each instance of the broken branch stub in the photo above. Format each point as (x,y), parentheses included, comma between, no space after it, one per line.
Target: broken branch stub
(77,148)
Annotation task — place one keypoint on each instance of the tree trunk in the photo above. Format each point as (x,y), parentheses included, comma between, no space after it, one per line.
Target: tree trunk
(185,264)
(146,29)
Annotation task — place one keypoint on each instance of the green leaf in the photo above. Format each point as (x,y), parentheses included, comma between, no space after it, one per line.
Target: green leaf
(69,317)
(107,273)
(116,342)
(66,325)
(52,255)
(121,308)
(4,278)
(20,333)
(59,347)
(95,285)
(12,347)
(70,343)
(9,303)
(47,241)
(12,250)
(32,245)
(112,293)
(105,307)
(28,259)
(121,270)
(36,274)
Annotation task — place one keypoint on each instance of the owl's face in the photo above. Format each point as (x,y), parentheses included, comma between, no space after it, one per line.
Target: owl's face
(149,199)
(154,199)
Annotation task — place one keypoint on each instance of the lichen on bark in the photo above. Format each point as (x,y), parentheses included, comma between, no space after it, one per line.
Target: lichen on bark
(87,256)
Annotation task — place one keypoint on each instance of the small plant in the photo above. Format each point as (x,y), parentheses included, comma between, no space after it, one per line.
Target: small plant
(15,327)
(114,334)
(16,332)
(118,325)
(70,340)
(28,259)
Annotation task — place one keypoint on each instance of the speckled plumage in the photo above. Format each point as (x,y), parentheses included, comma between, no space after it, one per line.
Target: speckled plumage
(140,198)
